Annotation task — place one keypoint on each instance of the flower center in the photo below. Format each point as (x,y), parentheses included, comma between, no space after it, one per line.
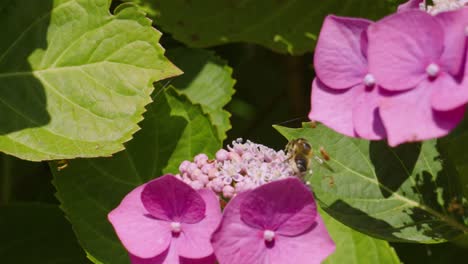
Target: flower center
(432,70)
(369,80)
(175,227)
(268,235)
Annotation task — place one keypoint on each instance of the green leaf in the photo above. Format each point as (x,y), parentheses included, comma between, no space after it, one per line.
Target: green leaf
(74,79)
(283,26)
(353,247)
(398,194)
(37,233)
(455,148)
(173,130)
(207,81)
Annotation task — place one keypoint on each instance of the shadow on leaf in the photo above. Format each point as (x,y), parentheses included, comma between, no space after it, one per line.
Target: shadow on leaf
(23,101)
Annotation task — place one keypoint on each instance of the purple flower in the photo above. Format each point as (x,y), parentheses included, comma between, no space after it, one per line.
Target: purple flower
(345,95)
(418,60)
(166,221)
(274,223)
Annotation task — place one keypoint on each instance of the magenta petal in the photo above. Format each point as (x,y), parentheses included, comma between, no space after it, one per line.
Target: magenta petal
(339,61)
(409,116)
(194,241)
(167,255)
(141,234)
(410,5)
(366,117)
(454,24)
(333,108)
(311,247)
(170,199)
(235,242)
(286,206)
(401,47)
(448,94)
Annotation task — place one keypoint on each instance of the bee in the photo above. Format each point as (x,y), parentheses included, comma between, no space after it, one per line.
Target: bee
(300,155)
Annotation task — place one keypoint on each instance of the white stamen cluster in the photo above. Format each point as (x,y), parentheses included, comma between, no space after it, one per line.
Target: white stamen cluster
(240,167)
(443,5)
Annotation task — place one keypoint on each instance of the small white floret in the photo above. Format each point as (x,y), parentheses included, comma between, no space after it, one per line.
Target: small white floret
(269,235)
(369,80)
(176,227)
(433,70)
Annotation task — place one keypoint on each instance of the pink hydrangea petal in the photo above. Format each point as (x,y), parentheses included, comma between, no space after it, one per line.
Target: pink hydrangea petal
(339,61)
(140,233)
(333,108)
(409,117)
(454,24)
(410,5)
(312,247)
(286,206)
(166,257)
(366,117)
(194,241)
(170,199)
(449,94)
(235,242)
(401,47)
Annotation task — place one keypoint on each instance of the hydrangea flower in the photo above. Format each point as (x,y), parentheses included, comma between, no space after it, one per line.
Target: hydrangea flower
(274,223)
(345,95)
(243,166)
(166,221)
(418,59)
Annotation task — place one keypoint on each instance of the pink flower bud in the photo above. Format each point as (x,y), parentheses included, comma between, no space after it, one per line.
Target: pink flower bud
(222,155)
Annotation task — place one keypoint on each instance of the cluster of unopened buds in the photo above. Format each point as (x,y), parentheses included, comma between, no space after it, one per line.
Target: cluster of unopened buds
(240,167)
(271,215)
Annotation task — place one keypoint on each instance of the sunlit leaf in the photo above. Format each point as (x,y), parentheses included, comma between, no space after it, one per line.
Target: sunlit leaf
(74,79)
(206,81)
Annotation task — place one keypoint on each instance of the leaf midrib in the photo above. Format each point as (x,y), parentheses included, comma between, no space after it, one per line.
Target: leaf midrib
(397,196)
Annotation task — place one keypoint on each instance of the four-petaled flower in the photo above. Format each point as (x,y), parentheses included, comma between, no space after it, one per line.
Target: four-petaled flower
(418,60)
(345,95)
(167,221)
(274,223)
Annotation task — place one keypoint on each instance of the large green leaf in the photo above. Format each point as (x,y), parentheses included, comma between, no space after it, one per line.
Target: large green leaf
(37,233)
(353,247)
(74,79)
(284,26)
(399,194)
(173,130)
(206,81)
